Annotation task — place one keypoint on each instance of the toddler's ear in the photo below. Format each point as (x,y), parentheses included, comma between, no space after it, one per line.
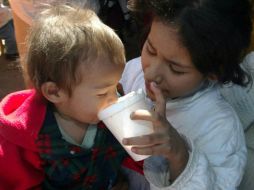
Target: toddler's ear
(52,93)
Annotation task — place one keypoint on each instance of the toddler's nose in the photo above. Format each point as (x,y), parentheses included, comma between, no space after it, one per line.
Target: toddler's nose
(113,98)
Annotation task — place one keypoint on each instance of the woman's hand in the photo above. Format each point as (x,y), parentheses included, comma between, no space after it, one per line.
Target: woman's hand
(165,140)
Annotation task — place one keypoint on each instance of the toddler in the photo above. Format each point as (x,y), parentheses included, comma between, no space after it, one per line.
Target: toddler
(50,136)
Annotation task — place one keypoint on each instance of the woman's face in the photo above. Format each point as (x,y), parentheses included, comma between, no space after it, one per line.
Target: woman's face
(168,63)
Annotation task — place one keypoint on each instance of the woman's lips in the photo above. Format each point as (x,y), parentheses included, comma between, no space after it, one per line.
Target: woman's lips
(148,86)
(150,93)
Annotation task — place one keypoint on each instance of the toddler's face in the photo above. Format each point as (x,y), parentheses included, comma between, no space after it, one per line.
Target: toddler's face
(96,91)
(167,62)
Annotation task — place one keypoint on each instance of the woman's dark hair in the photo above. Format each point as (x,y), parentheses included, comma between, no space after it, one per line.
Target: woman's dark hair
(216,32)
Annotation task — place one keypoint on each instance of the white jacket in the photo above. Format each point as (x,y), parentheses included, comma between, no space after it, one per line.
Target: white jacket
(215,136)
(241,98)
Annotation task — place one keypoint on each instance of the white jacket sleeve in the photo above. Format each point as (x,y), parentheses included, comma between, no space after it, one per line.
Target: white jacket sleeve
(242,98)
(195,175)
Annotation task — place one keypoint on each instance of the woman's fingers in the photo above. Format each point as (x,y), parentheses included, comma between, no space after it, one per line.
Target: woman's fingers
(157,115)
(160,102)
(152,116)
(143,115)
(159,142)
(152,144)
(147,140)
(160,149)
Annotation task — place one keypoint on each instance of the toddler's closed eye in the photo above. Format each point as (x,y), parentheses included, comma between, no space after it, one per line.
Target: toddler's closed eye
(102,94)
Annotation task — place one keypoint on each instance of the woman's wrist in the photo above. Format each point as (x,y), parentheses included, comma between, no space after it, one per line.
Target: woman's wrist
(178,159)
(178,164)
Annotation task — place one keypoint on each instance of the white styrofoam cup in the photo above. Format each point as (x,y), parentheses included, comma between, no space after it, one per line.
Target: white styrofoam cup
(117,119)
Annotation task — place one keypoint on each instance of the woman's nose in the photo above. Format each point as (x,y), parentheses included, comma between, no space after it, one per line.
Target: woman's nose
(152,74)
(158,79)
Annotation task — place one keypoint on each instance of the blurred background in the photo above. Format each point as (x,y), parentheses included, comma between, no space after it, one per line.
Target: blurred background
(22,13)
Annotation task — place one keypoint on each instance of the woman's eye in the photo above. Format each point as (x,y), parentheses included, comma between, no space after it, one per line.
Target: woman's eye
(178,72)
(175,71)
(149,50)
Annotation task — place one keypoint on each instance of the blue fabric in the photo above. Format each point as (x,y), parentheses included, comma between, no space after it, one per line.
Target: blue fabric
(8,34)
(135,179)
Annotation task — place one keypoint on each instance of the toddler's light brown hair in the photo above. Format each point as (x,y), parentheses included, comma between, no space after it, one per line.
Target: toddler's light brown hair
(62,38)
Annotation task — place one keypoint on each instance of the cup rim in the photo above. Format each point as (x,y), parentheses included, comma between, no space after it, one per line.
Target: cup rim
(121,105)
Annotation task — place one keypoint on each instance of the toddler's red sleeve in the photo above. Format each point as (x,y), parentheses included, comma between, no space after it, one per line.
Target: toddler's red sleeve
(128,162)
(20,168)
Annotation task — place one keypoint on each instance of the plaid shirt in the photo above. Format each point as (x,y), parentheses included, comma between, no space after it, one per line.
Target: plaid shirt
(69,166)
